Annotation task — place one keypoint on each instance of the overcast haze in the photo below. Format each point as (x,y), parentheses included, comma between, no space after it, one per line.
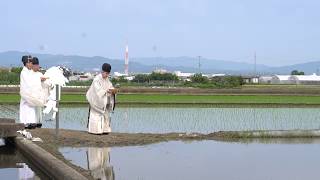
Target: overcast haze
(281,32)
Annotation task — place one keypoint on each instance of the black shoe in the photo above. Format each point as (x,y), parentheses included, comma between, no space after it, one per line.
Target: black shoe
(28,126)
(39,125)
(33,125)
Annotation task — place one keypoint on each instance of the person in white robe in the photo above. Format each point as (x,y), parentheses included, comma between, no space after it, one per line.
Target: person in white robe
(27,112)
(99,163)
(100,97)
(31,96)
(39,88)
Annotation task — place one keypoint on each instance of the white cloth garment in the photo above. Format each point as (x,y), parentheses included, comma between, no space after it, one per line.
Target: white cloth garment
(30,88)
(41,89)
(100,105)
(33,96)
(55,77)
(27,112)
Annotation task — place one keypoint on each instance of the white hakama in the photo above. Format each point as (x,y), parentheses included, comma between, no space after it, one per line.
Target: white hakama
(27,113)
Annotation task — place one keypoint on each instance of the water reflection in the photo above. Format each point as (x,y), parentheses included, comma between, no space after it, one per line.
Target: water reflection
(97,161)
(287,141)
(13,166)
(25,172)
(208,160)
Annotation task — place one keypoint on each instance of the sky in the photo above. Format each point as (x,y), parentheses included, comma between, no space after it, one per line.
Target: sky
(281,32)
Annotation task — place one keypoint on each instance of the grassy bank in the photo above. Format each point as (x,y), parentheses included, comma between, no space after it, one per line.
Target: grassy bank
(310,90)
(186,99)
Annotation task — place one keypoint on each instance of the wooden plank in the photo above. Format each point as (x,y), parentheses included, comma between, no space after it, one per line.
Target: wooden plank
(10,129)
(53,167)
(7,120)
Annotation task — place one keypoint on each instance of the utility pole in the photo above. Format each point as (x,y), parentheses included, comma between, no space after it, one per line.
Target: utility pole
(255,64)
(199,64)
(58,91)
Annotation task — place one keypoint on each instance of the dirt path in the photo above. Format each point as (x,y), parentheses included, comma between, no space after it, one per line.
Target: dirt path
(84,139)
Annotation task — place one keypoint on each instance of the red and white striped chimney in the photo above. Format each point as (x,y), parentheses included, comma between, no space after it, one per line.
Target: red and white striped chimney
(126,61)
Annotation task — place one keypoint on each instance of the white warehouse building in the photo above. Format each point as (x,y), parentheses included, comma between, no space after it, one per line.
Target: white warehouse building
(280,79)
(304,79)
(295,79)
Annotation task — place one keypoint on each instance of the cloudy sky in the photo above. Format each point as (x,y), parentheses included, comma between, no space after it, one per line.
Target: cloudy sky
(280,31)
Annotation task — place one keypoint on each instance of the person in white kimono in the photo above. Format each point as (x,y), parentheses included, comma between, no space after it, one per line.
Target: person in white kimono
(27,112)
(100,97)
(99,163)
(39,88)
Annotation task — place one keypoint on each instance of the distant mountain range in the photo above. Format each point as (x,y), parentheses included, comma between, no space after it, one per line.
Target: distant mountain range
(139,65)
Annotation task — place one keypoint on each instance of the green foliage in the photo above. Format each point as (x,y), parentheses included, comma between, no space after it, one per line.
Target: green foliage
(16,70)
(296,72)
(120,79)
(198,78)
(11,77)
(163,77)
(227,81)
(153,79)
(141,78)
(8,78)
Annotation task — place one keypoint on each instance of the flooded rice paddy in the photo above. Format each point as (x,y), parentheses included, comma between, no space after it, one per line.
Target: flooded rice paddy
(200,160)
(14,166)
(247,160)
(186,119)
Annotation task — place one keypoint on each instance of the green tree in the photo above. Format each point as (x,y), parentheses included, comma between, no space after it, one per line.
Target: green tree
(163,77)
(227,81)
(16,70)
(120,79)
(9,78)
(296,72)
(198,78)
(141,78)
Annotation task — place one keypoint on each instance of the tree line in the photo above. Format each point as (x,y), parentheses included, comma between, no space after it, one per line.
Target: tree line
(12,77)
(169,79)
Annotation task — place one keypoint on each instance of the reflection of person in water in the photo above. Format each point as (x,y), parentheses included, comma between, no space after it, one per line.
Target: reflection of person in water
(25,172)
(99,163)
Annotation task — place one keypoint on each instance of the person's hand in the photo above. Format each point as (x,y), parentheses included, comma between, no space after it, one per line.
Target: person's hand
(113,91)
(43,78)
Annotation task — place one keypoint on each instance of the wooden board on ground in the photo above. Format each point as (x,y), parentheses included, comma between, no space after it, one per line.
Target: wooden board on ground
(7,120)
(8,127)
